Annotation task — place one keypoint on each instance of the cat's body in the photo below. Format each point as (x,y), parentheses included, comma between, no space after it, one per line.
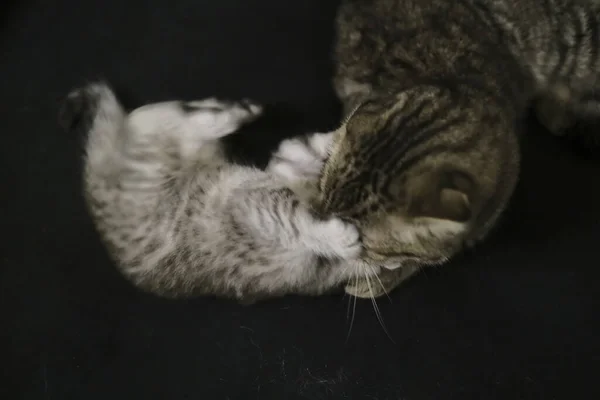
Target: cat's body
(433,91)
(181,220)
(526,49)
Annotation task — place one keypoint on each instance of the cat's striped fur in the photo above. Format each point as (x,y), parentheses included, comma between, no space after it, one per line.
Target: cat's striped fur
(433,91)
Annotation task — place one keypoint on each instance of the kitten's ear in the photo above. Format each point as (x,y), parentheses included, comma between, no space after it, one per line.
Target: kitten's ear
(443,195)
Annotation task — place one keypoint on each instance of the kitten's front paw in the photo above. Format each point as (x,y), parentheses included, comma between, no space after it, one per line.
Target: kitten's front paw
(218,118)
(296,161)
(341,238)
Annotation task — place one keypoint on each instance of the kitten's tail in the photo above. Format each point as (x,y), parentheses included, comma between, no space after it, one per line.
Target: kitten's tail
(95,111)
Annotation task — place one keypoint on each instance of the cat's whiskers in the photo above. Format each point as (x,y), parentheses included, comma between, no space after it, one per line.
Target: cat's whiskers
(349,303)
(375,307)
(380,283)
(356,277)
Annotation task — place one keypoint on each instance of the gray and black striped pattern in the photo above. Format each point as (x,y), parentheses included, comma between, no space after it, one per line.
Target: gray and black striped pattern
(434,91)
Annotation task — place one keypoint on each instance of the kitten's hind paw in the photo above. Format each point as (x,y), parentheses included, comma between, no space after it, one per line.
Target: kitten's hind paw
(81,105)
(217,118)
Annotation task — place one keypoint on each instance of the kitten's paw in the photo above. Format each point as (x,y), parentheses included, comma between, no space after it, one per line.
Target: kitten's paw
(341,239)
(81,105)
(217,118)
(295,160)
(321,144)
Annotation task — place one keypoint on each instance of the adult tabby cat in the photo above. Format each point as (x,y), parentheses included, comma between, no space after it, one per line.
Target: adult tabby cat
(433,91)
(180,220)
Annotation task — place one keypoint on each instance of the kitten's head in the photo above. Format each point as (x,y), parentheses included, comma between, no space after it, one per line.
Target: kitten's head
(419,172)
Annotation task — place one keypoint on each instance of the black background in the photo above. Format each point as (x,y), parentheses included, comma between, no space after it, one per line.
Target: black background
(515,319)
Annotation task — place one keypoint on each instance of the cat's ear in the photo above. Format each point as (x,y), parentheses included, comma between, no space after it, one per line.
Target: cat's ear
(443,194)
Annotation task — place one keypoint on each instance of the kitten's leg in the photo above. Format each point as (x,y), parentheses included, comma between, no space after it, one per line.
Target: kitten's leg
(384,283)
(186,128)
(95,110)
(151,145)
(298,162)
(301,159)
(134,161)
(213,118)
(331,238)
(280,219)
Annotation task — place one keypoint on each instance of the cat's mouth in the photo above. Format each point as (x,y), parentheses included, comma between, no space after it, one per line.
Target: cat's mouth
(389,261)
(392,260)
(382,255)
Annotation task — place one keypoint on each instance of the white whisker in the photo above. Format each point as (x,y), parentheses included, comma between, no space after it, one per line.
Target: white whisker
(354,306)
(380,283)
(349,304)
(376,308)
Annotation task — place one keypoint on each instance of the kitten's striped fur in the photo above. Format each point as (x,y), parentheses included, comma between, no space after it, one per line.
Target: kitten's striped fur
(434,90)
(180,220)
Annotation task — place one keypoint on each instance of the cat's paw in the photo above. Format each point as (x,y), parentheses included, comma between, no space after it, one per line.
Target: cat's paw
(339,239)
(77,111)
(217,118)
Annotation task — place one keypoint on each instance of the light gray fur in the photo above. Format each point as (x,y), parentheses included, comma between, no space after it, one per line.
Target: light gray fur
(179,219)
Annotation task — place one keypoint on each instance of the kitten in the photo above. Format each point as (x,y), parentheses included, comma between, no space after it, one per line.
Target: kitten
(180,220)
(433,92)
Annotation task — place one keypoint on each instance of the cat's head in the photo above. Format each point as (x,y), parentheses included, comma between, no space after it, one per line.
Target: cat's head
(419,172)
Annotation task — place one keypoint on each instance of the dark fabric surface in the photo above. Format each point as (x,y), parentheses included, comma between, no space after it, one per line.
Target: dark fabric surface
(515,319)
